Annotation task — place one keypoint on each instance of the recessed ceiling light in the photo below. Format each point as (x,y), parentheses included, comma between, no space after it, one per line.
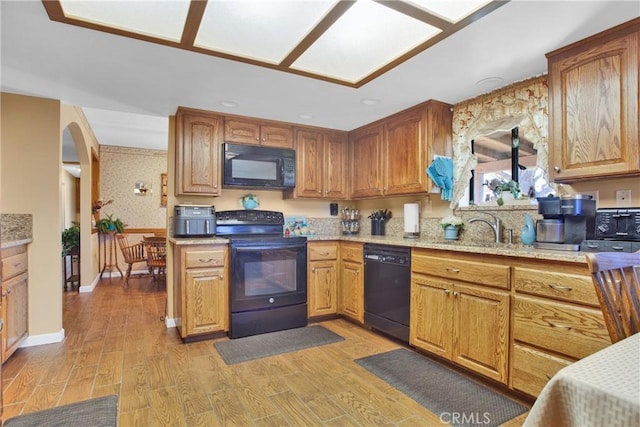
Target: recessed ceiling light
(229,104)
(490,82)
(369,101)
(305,116)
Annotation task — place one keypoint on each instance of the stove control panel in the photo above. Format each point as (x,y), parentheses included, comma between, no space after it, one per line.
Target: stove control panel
(618,224)
(249,217)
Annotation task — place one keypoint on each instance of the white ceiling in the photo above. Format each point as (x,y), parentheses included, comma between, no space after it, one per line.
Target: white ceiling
(128,87)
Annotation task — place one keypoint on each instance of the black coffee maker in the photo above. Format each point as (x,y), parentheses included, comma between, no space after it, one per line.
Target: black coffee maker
(567,221)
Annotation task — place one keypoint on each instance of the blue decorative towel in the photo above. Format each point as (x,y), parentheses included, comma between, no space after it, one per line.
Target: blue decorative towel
(441,173)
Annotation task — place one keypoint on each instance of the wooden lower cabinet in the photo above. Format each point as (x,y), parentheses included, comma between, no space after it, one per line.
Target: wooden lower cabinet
(532,368)
(201,289)
(15,299)
(466,324)
(351,289)
(322,283)
(556,321)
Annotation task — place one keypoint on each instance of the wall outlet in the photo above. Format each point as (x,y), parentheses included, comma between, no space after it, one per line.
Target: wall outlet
(623,198)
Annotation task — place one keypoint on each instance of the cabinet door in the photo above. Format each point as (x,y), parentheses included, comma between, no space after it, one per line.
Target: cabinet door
(593,110)
(15,313)
(352,291)
(276,136)
(323,288)
(430,321)
(254,132)
(205,301)
(309,164)
(335,166)
(198,139)
(481,330)
(405,154)
(242,132)
(365,147)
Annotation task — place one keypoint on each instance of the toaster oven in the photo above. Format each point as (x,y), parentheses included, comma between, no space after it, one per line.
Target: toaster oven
(194,221)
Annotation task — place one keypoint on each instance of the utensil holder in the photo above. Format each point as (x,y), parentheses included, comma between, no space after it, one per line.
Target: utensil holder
(377,226)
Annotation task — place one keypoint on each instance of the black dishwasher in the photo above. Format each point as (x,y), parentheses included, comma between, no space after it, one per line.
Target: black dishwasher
(387,283)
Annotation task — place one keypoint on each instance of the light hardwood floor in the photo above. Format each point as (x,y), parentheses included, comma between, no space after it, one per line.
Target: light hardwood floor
(116,343)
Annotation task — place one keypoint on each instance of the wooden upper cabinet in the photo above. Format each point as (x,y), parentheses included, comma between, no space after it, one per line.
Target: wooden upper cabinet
(390,157)
(198,137)
(593,106)
(406,154)
(258,133)
(365,160)
(321,159)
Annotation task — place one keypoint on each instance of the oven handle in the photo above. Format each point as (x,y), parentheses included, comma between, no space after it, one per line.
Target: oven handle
(268,247)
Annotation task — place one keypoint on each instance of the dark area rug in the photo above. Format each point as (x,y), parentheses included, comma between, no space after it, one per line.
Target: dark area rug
(455,399)
(99,412)
(263,345)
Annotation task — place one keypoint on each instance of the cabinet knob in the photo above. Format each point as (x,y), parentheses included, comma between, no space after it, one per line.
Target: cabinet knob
(447,291)
(556,169)
(455,294)
(319,191)
(313,269)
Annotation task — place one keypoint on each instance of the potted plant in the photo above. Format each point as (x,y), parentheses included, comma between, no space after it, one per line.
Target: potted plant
(499,186)
(451,225)
(70,239)
(110,225)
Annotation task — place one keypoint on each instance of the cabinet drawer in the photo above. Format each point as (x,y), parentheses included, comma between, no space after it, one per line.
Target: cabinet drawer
(351,252)
(14,264)
(319,251)
(568,287)
(194,258)
(563,328)
(532,369)
(470,271)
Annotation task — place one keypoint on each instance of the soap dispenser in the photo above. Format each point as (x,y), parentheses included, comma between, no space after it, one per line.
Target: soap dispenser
(528,235)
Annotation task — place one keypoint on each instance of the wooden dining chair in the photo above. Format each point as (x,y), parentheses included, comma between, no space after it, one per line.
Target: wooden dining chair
(616,279)
(130,253)
(156,256)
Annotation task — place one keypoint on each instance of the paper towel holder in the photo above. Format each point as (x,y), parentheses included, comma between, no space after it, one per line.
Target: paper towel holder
(412,221)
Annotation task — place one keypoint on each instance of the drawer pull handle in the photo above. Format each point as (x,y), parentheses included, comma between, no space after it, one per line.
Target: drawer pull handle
(205,259)
(452,270)
(324,253)
(553,325)
(561,288)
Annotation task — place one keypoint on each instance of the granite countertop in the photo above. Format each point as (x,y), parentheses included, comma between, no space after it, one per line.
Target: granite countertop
(488,248)
(16,229)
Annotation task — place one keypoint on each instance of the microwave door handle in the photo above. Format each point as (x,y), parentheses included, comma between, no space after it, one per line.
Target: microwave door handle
(187,226)
(206,226)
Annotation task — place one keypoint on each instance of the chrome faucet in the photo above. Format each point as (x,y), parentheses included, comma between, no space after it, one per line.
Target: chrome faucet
(496,226)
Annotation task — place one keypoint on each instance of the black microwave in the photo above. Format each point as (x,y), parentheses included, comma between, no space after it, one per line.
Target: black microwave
(258,167)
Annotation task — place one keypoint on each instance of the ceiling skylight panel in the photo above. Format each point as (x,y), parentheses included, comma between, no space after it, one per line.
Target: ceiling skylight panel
(367,37)
(265,30)
(452,10)
(164,19)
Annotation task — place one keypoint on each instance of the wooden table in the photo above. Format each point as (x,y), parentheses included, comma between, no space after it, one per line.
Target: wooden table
(602,389)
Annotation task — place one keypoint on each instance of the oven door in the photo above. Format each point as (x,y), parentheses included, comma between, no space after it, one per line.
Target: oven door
(268,274)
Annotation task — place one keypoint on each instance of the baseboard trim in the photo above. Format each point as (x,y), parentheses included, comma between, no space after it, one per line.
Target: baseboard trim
(33,340)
